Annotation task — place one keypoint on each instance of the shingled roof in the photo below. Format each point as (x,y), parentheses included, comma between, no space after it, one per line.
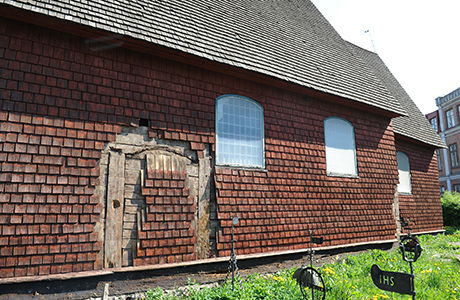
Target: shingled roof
(288,40)
(415,125)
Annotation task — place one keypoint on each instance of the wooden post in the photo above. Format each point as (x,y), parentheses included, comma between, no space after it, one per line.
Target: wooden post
(114,214)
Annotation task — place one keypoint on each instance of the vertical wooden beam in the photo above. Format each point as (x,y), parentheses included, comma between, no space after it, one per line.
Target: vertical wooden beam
(204,185)
(114,214)
(203,216)
(397,217)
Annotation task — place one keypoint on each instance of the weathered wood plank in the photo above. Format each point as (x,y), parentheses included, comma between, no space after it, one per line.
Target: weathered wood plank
(115,206)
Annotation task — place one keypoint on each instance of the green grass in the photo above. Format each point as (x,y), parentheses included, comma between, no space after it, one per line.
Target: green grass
(437,276)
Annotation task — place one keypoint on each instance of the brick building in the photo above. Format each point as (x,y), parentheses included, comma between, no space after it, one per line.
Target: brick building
(132,133)
(446,121)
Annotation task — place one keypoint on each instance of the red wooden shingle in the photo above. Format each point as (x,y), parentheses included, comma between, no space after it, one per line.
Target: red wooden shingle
(51,143)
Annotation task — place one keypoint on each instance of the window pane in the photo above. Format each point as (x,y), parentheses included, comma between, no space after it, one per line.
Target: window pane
(340,146)
(453,155)
(450,118)
(240,136)
(404,185)
(434,123)
(439,158)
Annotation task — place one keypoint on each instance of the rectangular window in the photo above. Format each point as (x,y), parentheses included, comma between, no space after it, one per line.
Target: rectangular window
(404,186)
(453,155)
(450,118)
(438,155)
(458,108)
(434,123)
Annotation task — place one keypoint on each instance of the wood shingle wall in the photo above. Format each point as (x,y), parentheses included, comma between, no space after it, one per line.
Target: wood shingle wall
(277,207)
(67,107)
(423,206)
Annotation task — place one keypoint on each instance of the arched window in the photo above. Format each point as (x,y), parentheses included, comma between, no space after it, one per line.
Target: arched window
(404,185)
(339,138)
(239,132)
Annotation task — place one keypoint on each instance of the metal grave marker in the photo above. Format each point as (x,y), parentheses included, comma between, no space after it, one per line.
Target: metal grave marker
(396,282)
(392,281)
(232,267)
(310,281)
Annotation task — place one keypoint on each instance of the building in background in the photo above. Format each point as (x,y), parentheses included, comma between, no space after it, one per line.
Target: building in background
(446,121)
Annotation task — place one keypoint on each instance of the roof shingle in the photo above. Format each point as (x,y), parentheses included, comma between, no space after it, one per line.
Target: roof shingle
(415,125)
(288,40)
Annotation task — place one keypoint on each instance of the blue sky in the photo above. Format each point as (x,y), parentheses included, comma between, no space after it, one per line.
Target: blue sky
(419,40)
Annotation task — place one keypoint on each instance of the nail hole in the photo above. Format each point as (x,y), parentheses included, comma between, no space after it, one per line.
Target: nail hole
(116,204)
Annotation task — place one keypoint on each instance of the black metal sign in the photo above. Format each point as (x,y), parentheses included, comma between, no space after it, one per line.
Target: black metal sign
(392,281)
(317,240)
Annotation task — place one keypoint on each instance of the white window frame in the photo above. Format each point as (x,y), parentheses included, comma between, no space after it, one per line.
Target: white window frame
(458,112)
(439,159)
(404,173)
(240,133)
(450,118)
(339,141)
(453,153)
(434,123)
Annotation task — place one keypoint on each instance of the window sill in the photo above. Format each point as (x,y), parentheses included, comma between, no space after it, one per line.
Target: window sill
(332,174)
(243,168)
(405,194)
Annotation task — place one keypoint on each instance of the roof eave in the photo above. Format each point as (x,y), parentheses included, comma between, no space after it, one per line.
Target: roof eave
(419,142)
(101,36)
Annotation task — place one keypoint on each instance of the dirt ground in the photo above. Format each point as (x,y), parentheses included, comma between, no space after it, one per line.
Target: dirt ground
(135,282)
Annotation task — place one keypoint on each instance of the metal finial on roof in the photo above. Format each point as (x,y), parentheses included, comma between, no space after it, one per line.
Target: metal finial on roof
(372,42)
